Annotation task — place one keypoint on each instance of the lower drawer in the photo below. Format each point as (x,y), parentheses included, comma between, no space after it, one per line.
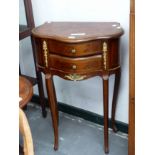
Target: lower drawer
(74,65)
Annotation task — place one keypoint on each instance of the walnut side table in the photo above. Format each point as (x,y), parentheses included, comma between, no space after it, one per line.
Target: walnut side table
(77,51)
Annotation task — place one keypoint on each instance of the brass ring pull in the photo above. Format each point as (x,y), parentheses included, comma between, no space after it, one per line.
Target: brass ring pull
(73,51)
(74,67)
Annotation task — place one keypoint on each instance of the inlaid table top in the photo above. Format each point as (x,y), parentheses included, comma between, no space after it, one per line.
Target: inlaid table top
(78,31)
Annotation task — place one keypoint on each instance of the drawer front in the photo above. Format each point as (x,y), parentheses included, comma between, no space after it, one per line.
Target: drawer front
(83,62)
(75,49)
(74,65)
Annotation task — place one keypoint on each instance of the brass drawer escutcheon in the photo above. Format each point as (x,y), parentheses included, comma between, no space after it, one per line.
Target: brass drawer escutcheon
(75,77)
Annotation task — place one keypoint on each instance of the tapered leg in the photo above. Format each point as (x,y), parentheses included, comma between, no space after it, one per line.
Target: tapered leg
(114,101)
(53,107)
(105,102)
(41,94)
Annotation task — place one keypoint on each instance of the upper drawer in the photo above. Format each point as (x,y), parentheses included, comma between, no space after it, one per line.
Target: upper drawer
(75,49)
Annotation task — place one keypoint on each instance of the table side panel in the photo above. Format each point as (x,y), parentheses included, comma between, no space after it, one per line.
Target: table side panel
(113,53)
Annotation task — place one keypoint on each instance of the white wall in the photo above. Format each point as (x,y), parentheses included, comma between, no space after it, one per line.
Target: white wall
(22,15)
(86,94)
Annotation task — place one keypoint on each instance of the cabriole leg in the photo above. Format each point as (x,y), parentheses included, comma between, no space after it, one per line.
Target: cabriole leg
(53,107)
(114,101)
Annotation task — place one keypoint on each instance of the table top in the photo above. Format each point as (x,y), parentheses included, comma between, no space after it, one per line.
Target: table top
(78,31)
(25,91)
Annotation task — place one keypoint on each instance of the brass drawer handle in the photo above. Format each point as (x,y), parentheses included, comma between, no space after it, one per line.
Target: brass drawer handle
(74,67)
(73,51)
(75,77)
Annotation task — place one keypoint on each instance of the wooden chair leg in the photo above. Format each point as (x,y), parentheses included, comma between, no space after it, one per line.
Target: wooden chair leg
(105,102)
(53,107)
(114,101)
(26,133)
